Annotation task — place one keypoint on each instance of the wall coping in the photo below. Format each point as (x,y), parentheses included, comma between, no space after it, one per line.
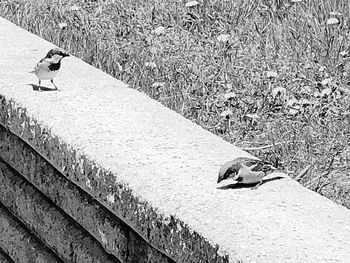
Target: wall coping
(157,169)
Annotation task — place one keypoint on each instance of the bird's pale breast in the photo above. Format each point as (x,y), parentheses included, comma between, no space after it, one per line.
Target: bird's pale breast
(42,70)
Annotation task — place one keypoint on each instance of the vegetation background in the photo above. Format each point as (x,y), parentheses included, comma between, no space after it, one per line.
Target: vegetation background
(270,76)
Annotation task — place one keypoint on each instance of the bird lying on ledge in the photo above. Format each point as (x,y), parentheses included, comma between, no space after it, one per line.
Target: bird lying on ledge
(245,171)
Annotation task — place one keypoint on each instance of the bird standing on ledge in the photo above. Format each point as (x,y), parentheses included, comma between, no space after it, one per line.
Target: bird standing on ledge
(48,67)
(245,171)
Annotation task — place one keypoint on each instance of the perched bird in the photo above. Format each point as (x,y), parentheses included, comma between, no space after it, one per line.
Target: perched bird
(48,67)
(245,171)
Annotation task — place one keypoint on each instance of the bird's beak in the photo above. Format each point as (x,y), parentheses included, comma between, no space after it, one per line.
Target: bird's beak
(219,180)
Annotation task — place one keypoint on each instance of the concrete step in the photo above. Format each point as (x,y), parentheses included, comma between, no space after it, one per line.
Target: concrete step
(58,231)
(114,234)
(4,257)
(19,244)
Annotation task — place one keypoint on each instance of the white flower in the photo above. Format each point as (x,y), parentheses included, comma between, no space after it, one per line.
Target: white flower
(223,38)
(278,91)
(271,74)
(150,65)
(332,21)
(74,8)
(229,95)
(159,30)
(191,3)
(62,25)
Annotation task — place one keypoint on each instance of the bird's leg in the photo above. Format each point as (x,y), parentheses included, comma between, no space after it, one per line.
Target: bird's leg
(39,88)
(53,84)
(256,186)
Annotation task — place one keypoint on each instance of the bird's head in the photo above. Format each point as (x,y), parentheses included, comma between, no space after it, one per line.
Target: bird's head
(228,170)
(57,54)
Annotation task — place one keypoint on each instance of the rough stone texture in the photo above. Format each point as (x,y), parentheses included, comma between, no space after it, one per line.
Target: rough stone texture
(58,231)
(20,244)
(158,170)
(114,234)
(4,258)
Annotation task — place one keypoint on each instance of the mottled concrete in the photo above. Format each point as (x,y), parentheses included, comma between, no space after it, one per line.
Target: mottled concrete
(70,241)
(112,232)
(20,244)
(4,257)
(158,170)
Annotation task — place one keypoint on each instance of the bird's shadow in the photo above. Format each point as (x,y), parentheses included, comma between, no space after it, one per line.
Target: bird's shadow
(241,185)
(41,88)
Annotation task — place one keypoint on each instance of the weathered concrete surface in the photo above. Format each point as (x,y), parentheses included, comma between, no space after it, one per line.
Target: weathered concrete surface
(158,170)
(58,231)
(4,258)
(19,243)
(113,234)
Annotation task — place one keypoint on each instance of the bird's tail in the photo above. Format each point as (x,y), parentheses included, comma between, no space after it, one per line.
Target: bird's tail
(33,71)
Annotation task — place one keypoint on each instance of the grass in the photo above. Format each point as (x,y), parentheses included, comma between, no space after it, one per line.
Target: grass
(269,76)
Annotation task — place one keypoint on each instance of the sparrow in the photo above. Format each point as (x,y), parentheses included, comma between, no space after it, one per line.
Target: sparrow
(245,171)
(48,67)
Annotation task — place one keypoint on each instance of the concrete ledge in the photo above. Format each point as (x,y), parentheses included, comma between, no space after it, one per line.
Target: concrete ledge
(19,243)
(113,234)
(156,170)
(4,258)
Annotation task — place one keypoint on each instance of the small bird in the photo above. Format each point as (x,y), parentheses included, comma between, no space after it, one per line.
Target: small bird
(48,67)
(245,171)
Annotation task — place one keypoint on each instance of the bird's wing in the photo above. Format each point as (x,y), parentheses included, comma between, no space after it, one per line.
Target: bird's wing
(249,162)
(261,166)
(43,65)
(247,176)
(244,171)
